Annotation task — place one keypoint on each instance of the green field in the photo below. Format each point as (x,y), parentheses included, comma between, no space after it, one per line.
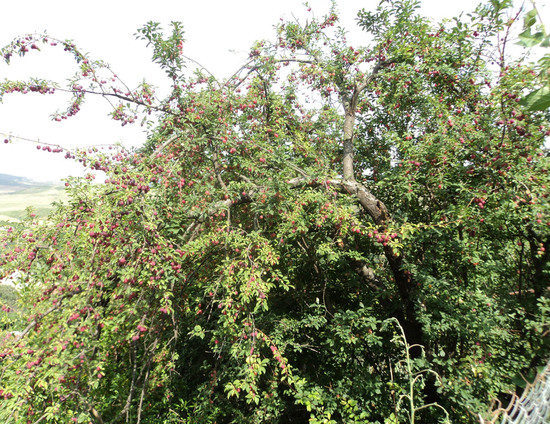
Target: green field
(40,198)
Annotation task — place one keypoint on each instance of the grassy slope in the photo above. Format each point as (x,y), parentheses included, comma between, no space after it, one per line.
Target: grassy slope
(40,199)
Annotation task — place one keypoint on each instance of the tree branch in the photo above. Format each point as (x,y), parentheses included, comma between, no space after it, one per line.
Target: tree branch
(350,108)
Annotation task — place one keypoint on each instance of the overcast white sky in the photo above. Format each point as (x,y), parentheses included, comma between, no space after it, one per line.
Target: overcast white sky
(218,33)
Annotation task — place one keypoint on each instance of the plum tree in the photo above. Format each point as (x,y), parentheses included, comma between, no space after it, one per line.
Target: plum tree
(265,254)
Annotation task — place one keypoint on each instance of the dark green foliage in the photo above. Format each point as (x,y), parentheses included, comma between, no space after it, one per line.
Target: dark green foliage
(336,234)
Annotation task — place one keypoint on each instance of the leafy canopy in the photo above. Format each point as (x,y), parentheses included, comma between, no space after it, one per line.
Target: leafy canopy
(336,233)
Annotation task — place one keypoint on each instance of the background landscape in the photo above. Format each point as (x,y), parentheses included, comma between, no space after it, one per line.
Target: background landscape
(18,193)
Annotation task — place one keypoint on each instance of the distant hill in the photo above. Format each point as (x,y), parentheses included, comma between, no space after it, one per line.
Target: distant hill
(12,183)
(19,193)
(13,179)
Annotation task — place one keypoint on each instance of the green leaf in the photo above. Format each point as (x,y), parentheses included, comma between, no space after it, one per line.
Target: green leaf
(537,100)
(392,419)
(526,39)
(198,331)
(530,19)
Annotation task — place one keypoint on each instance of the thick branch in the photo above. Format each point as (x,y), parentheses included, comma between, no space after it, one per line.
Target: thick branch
(350,108)
(374,207)
(367,275)
(379,213)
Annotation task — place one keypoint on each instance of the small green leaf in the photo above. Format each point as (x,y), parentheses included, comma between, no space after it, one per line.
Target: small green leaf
(537,100)
(198,331)
(530,19)
(526,39)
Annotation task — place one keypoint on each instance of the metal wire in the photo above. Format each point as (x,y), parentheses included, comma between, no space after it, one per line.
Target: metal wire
(533,407)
